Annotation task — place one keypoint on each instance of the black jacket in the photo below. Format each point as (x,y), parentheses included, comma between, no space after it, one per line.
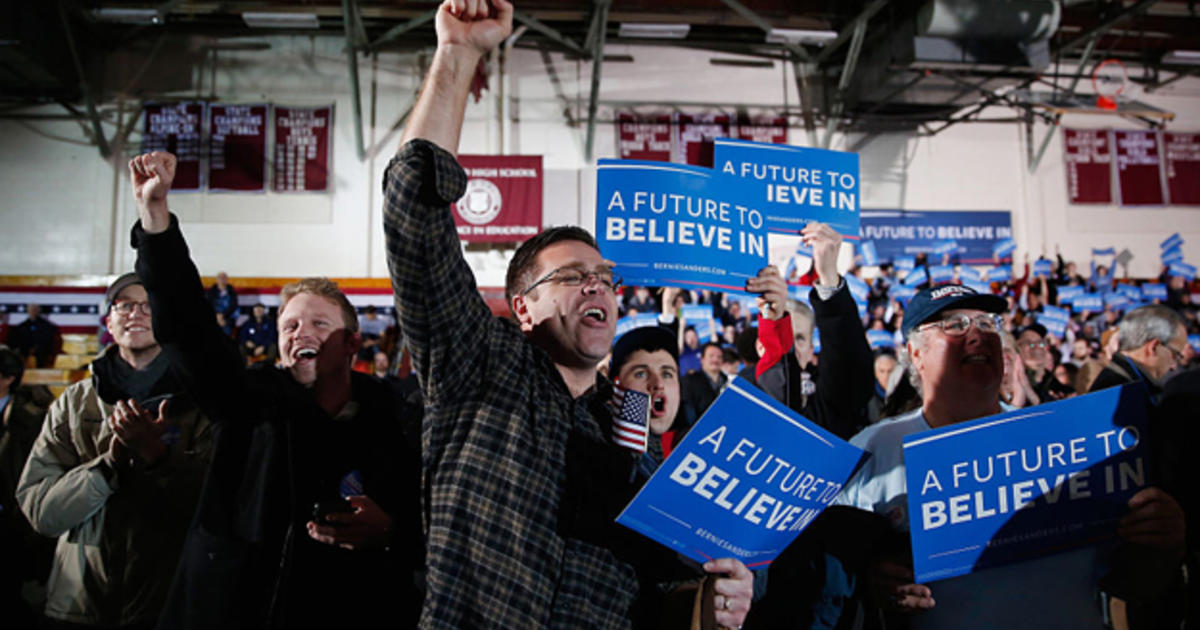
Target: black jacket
(248,560)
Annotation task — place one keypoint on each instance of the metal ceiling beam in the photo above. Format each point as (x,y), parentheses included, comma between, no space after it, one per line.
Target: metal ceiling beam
(766,27)
(848,32)
(804,91)
(349,19)
(1036,159)
(550,33)
(1102,27)
(93,115)
(856,40)
(396,31)
(599,23)
(1179,75)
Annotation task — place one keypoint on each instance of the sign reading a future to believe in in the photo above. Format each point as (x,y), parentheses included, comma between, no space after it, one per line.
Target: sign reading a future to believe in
(1026,483)
(748,478)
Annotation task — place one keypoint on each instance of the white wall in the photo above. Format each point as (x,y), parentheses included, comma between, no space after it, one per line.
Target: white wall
(61,200)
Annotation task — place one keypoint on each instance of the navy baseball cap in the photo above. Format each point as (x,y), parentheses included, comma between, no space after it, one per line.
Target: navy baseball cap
(928,303)
(648,338)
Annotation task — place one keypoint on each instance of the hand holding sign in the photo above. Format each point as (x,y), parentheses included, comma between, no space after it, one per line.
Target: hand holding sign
(734,592)
(150,176)
(892,586)
(1155,520)
(773,301)
(825,243)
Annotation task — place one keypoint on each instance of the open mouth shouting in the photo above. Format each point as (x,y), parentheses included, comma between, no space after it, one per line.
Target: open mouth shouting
(658,405)
(306,353)
(595,315)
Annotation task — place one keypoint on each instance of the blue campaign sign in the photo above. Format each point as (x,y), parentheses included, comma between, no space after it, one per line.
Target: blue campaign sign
(700,317)
(980,287)
(1024,484)
(870,256)
(747,479)
(1116,301)
(1002,273)
(1172,241)
(1041,268)
(939,274)
(916,277)
(1172,256)
(677,225)
(800,292)
(903,294)
(904,263)
(1054,313)
(1055,327)
(628,323)
(945,247)
(1067,294)
(969,272)
(1154,291)
(1003,248)
(858,287)
(1130,291)
(1088,302)
(1182,269)
(1194,342)
(794,186)
(1104,251)
(880,339)
(907,233)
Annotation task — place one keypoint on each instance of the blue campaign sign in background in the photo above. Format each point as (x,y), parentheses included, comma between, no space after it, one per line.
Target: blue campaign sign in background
(880,339)
(902,232)
(968,272)
(870,256)
(1154,291)
(857,286)
(1172,241)
(1003,248)
(1001,273)
(916,277)
(1194,342)
(904,263)
(677,225)
(794,186)
(628,323)
(1055,313)
(1182,269)
(1067,294)
(1130,291)
(1104,251)
(1026,483)
(1093,302)
(700,317)
(941,273)
(1042,268)
(903,293)
(1172,256)
(747,479)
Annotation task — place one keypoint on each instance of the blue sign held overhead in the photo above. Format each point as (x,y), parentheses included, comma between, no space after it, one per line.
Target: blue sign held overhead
(1182,269)
(1024,484)
(1001,273)
(794,186)
(858,287)
(903,294)
(1055,327)
(700,317)
(1116,301)
(747,479)
(1067,294)
(1042,268)
(1003,248)
(676,225)
(628,323)
(1172,256)
(1130,291)
(904,263)
(1104,251)
(979,287)
(939,274)
(942,248)
(1054,313)
(870,257)
(1172,241)
(1093,302)
(1194,342)
(916,277)
(969,272)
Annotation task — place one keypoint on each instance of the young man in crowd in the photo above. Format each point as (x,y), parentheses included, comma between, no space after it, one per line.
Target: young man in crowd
(955,351)
(522,479)
(309,513)
(115,474)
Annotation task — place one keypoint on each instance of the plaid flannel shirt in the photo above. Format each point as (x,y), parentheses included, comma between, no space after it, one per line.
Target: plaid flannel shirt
(517,475)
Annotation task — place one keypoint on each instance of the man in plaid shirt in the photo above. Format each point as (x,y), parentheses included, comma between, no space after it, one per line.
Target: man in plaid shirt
(521,482)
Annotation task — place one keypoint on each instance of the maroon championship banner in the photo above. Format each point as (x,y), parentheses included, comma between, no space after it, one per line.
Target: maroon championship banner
(302,151)
(237,153)
(1183,167)
(696,133)
(644,137)
(767,130)
(1088,154)
(503,200)
(176,128)
(1139,168)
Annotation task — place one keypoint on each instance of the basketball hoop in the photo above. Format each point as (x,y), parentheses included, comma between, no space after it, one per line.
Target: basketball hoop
(1109,79)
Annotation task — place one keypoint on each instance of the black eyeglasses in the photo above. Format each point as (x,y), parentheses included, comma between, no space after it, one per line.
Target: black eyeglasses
(1178,354)
(127,308)
(574,277)
(958,325)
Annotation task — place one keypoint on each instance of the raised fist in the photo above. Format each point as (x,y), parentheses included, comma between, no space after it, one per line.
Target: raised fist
(150,176)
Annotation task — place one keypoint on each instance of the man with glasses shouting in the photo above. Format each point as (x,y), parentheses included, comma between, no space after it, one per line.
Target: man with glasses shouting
(954,346)
(521,479)
(115,474)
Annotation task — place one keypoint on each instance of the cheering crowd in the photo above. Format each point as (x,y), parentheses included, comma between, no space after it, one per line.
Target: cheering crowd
(190,487)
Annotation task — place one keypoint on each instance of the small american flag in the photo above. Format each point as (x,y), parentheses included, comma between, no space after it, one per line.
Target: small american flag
(631,418)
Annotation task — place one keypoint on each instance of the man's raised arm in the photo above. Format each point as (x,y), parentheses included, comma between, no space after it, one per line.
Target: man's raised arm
(466,30)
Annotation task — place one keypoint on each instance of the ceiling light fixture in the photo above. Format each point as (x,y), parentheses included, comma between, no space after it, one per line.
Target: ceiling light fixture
(281,20)
(1182,57)
(642,30)
(127,16)
(800,36)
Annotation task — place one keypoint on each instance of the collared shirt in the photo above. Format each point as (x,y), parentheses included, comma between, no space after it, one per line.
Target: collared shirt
(518,495)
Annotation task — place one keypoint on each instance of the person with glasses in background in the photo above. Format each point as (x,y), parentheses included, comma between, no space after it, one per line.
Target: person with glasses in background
(115,475)
(1039,369)
(1152,343)
(957,364)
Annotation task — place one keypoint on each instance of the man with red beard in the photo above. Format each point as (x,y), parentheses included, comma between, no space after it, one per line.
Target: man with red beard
(309,513)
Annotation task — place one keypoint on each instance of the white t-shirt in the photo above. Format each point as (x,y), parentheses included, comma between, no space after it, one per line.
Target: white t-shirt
(1055,592)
